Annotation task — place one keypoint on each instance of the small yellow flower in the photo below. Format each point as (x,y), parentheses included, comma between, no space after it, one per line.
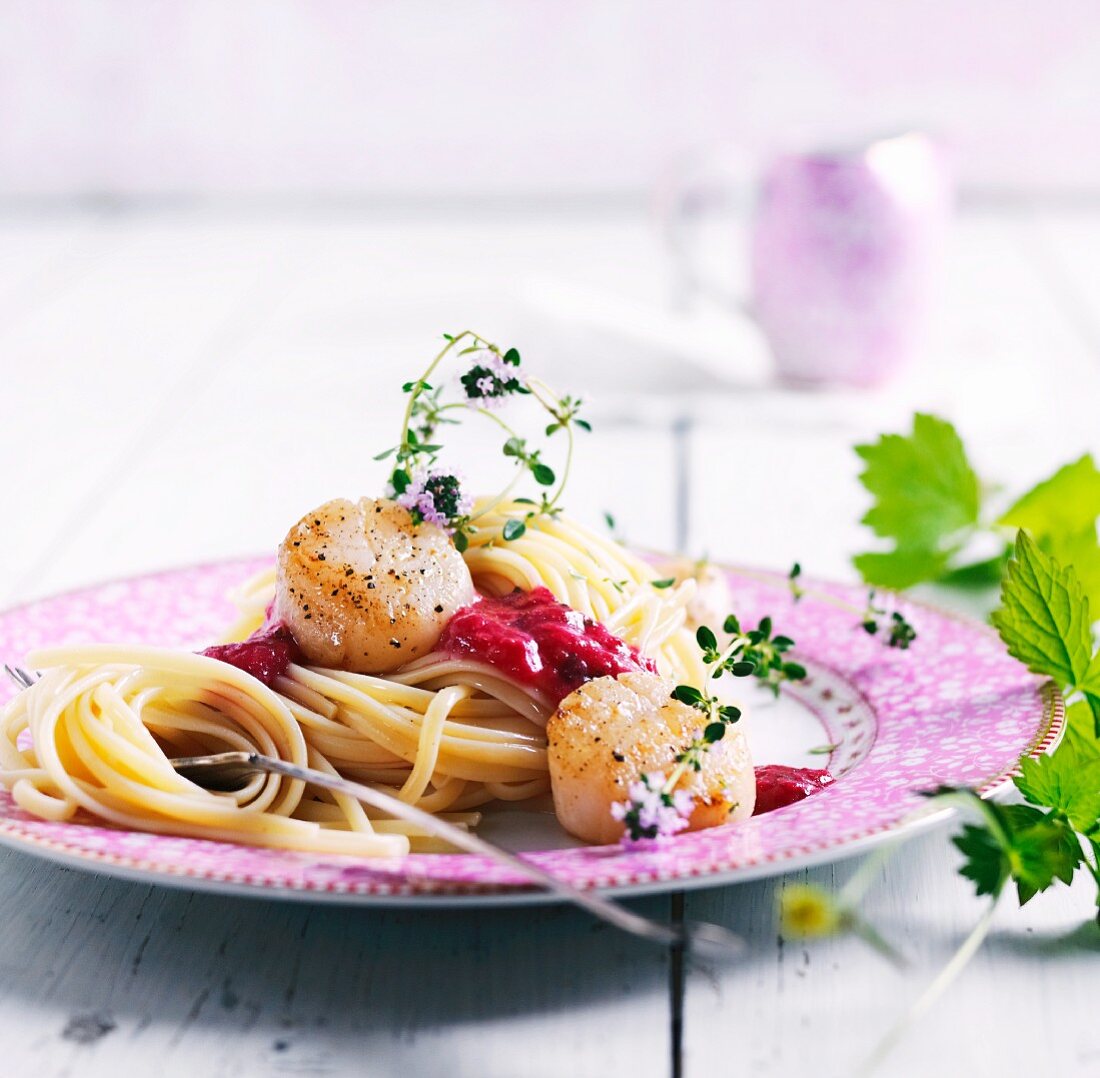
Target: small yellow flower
(806,912)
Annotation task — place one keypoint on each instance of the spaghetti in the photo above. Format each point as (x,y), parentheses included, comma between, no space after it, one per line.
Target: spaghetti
(446,732)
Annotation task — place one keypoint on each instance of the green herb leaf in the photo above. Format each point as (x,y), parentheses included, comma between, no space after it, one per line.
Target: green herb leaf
(1067,781)
(1018,842)
(902,567)
(1041,853)
(1080,550)
(714,731)
(687,694)
(926,496)
(985,864)
(583,424)
(544,475)
(666,583)
(1044,615)
(511,357)
(705,638)
(400,480)
(513,529)
(461,541)
(1066,503)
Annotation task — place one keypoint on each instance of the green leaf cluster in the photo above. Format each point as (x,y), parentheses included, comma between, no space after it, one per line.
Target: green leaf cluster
(930,505)
(1044,620)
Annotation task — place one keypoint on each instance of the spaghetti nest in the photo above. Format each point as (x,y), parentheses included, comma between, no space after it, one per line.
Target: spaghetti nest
(445,733)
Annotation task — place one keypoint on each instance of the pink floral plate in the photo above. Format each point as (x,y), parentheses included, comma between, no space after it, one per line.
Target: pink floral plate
(955,708)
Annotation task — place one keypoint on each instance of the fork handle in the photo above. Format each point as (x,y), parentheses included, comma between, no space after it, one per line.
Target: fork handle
(714,938)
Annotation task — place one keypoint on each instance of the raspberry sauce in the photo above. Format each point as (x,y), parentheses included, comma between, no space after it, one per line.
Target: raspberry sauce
(778,785)
(533,639)
(265,654)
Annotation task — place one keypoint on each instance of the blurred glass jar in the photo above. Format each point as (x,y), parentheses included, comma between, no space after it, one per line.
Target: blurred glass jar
(846,252)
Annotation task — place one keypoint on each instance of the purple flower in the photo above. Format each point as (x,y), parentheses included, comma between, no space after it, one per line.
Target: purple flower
(651,812)
(489,380)
(437,498)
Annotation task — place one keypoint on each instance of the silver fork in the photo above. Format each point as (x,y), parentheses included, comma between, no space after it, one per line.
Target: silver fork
(229,770)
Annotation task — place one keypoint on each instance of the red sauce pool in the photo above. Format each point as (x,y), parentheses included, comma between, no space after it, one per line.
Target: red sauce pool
(533,639)
(265,654)
(778,785)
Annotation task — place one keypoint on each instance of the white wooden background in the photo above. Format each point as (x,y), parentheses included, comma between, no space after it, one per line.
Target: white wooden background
(181,387)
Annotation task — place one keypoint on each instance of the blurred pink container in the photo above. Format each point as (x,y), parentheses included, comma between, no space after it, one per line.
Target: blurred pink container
(846,255)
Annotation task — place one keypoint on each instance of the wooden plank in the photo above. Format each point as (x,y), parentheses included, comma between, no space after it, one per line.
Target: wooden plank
(292,410)
(102,978)
(827,1003)
(97,362)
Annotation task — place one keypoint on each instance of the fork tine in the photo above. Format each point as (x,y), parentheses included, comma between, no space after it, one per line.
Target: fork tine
(20,676)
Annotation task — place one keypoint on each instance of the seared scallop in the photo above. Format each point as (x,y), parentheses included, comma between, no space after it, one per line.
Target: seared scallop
(611,731)
(363,588)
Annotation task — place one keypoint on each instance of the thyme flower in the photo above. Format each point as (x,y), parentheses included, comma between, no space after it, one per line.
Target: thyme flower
(653,811)
(492,378)
(436,497)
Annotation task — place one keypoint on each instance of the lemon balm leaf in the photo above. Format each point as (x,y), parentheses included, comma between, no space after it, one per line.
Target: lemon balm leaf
(1044,615)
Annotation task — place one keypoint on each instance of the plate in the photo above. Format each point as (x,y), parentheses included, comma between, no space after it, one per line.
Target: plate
(955,708)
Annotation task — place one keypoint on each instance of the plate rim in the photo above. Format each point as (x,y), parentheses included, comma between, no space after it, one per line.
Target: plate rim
(432,894)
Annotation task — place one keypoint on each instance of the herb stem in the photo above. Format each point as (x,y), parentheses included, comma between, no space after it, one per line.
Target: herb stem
(810,593)
(424,377)
(967,949)
(554,407)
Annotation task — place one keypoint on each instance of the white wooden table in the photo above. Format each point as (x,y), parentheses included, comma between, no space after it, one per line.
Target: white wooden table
(179,387)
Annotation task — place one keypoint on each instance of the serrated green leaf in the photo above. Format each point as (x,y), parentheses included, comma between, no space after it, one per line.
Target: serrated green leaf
(1044,615)
(978,574)
(1066,503)
(902,567)
(1082,720)
(924,486)
(1046,851)
(1067,781)
(1079,549)
(985,864)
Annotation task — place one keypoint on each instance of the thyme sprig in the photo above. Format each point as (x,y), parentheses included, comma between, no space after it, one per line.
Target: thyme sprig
(890,626)
(744,654)
(435,494)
